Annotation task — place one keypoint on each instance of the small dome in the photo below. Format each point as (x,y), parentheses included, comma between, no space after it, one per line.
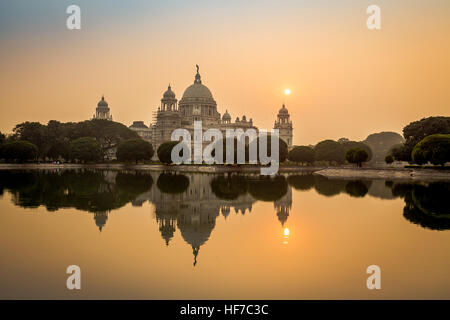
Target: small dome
(169,94)
(226,116)
(102,103)
(283,110)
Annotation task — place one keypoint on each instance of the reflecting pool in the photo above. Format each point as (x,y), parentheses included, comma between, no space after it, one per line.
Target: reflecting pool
(165,235)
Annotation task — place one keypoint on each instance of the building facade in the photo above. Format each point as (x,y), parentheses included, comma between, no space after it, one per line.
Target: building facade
(198,104)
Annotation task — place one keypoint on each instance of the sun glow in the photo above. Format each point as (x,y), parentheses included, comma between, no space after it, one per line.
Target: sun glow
(287,91)
(286,233)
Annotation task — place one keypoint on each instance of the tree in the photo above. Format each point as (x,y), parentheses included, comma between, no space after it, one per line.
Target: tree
(357,155)
(401,153)
(19,151)
(331,151)
(134,150)
(389,159)
(58,149)
(282,147)
(56,140)
(109,134)
(2,142)
(354,144)
(302,154)
(434,149)
(418,130)
(85,149)
(165,151)
(33,132)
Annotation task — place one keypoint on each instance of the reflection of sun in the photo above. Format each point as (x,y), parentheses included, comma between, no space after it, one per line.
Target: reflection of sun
(287,91)
(286,233)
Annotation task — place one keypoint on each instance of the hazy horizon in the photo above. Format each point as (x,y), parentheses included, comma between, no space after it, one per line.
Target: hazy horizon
(346,81)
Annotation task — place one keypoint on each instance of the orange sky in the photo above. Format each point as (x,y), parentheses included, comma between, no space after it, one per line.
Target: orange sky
(346,80)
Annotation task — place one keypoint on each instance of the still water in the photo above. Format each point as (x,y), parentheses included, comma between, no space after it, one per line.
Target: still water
(152,235)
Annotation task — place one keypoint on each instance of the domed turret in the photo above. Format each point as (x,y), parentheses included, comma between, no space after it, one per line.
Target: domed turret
(283,110)
(226,118)
(169,94)
(102,110)
(168,101)
(102,103)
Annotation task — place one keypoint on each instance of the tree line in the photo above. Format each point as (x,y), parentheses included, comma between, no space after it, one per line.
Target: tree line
(332,152)
(426,141)
(86,141)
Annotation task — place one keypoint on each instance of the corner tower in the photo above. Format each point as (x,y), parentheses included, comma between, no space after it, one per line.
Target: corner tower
(284,125)
(167,118)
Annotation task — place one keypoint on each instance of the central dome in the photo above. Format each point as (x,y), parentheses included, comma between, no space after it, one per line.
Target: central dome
(197,90)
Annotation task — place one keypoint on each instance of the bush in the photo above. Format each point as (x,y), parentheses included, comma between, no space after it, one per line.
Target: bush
(133,150)
(389,159)
(85,149)
(434,149)
(19,151)
(282,148)
(302,154)
(354,144)
(165,151)
(357,156)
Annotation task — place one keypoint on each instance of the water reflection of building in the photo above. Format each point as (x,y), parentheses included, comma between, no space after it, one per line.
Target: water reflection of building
(194,211)
(283,206)
(100,219)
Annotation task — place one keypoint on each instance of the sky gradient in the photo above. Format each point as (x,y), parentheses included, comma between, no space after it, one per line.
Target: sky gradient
(346,80)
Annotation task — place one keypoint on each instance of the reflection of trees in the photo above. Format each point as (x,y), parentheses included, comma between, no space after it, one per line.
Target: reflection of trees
(425,204)
(267,189)
(358,188)
(134,183)
(172,183)
(229,187)
(92,191)
(328,187)
(301,182)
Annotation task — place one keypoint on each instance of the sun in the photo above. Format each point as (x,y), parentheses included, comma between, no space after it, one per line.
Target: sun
(287,91)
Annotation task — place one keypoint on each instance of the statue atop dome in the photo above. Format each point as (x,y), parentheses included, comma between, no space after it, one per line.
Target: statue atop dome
(198,78)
